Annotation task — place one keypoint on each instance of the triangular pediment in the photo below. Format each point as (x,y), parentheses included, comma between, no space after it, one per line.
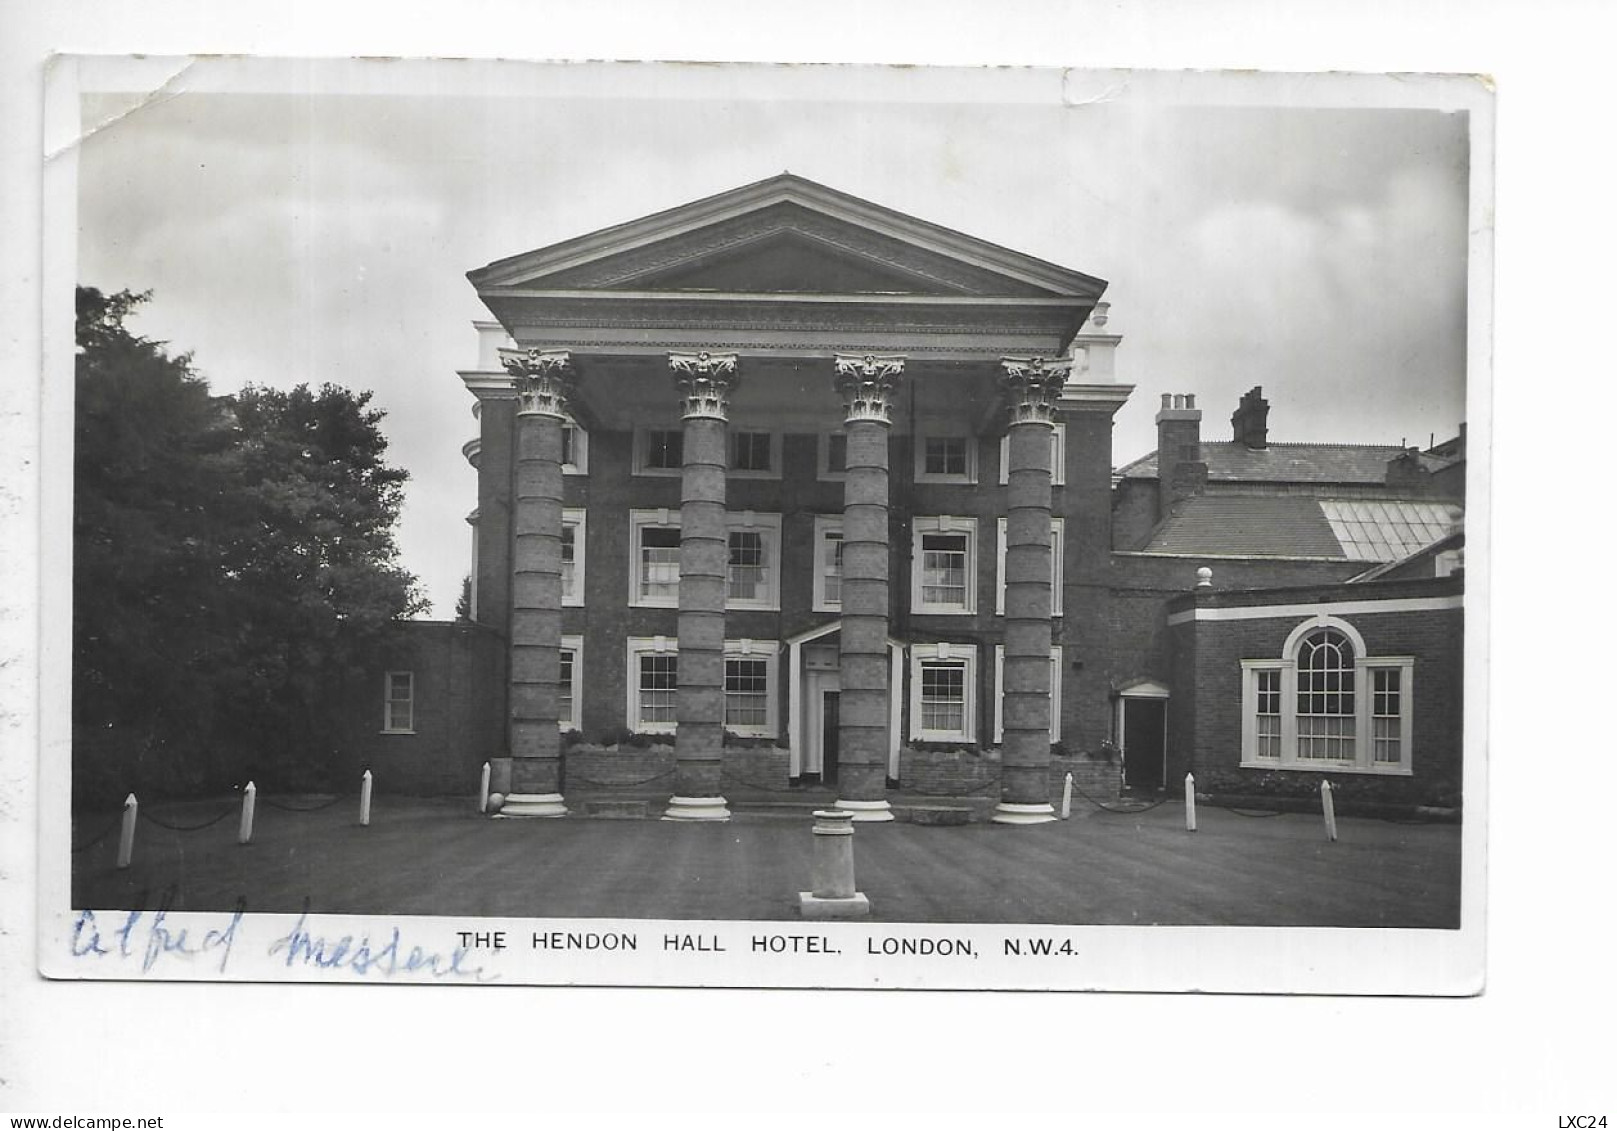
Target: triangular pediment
(786,235)
(788,260)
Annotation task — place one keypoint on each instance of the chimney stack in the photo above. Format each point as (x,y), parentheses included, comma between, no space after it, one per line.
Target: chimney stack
(1250,421)
(1180,469)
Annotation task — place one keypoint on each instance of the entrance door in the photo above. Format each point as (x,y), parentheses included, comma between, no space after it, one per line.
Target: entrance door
(1145,733)
(830,731)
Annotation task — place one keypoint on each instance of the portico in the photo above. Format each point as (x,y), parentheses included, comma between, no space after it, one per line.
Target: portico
(783,390)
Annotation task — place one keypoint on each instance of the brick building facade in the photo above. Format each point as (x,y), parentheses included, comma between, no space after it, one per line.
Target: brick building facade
(784,485)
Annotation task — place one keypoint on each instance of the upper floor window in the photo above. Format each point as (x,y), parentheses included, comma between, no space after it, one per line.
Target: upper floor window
(754,455)
(945,458)
(833,455)
(575,449)
(754,561)
(659,451)
(654,567)
(944,566)
(572,557)
(1324,704)
(1058,456)
(1058,528)
(827,563)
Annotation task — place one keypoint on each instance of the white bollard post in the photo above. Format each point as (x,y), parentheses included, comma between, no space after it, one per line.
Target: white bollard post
(249,801)
(365,799)
(126,836)
(1066,797)
(1190,803)
(1328,804)
(482,790)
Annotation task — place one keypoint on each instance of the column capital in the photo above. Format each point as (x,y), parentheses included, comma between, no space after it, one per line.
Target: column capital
(705,381)
(867,384)
(544,380)
(1033,386)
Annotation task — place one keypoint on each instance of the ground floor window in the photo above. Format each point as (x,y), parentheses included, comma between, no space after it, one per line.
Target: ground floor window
(398,704)
(749,687)
(999,693)
(1324,704)
(943,681)
(653,684)
(570,686)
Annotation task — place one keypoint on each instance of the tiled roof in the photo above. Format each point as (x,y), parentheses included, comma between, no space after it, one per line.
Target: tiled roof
(1232,462)
(1298,526)
(1289,526)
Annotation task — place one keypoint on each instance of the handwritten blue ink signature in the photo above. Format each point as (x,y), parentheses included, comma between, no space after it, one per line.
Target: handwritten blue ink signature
(299,945)
(146,935)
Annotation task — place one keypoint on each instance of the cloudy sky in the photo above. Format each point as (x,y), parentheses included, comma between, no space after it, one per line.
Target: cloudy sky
(315,223)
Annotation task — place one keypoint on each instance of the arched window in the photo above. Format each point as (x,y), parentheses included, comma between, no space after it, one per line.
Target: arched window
(1325,712)
(1325,704)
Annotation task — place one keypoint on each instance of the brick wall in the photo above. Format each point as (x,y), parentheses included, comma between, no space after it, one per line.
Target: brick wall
(457,714)
(963,773)
(1205,731)
(586,766)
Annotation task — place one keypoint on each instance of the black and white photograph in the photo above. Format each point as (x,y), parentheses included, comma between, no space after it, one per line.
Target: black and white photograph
(642,524)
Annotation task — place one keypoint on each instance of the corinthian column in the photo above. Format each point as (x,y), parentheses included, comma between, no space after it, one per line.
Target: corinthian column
(704,381)
(544,381)
(867,385)
(1032,386)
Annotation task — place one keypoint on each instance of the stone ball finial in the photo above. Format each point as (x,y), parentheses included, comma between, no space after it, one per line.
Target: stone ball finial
(1204,578)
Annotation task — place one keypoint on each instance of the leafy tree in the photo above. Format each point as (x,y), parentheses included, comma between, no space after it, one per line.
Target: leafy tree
(463,603)
(234,563)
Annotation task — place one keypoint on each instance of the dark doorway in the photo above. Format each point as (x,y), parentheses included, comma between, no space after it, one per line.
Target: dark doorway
(1145,732)
(830,730)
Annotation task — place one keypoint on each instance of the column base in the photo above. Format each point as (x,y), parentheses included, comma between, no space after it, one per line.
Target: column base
(865,811)
(1009,813)
(812,906)
(697,809)
(533,805)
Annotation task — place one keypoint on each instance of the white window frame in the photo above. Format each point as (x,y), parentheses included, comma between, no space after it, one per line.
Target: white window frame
(942,524)
(753,520)
(575,645)
(823,458)
(642,450)
(389,703)
(574,517)
(920,656)
(1058,538)
(924,476)
(999,694)
(1058,456)
(768,652)
(824,527)
(1364,667)
(636,647)
(580,464)
(733,472)
(663,518)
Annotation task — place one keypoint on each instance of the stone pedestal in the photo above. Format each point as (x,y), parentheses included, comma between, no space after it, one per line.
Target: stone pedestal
(834,895)
(867,385)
